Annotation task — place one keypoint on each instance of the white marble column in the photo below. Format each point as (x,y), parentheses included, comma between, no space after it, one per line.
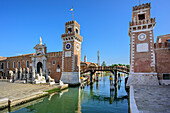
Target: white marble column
(28,73)
(33,74)
(20,73)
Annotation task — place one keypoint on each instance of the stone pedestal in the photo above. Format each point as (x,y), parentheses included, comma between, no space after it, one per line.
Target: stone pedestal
(71,78)
(142,79)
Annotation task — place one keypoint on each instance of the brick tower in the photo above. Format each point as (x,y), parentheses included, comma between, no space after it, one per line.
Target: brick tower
(71,53)
(142,55)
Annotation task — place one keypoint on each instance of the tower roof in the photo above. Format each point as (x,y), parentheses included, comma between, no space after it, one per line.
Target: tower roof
(72,22)
(143,6)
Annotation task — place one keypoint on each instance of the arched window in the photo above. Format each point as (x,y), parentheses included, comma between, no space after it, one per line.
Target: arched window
(58,68)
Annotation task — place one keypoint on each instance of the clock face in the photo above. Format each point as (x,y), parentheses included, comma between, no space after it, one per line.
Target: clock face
(142,37)
(68,46)
(77,47)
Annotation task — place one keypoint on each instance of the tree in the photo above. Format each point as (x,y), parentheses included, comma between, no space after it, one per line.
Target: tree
(115,64)
(128,66)
(103,64)
(120,64)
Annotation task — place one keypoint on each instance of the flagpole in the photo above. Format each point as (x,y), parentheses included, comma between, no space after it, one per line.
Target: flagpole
(139,2)
(72,14)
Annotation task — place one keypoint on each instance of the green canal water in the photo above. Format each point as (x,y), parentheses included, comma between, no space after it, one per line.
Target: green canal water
(90,99)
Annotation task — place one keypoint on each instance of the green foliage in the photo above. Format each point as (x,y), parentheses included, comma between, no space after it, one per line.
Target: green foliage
(128,66)
(103,64)
(120,64)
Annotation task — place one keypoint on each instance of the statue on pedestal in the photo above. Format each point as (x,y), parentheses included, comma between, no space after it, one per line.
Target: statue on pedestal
(20,73)
(16,73)
(11,79)
(24,74)
(33,74)
(28,71)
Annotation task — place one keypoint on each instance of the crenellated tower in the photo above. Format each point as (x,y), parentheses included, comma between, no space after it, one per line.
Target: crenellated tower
(142,55)
(71,53)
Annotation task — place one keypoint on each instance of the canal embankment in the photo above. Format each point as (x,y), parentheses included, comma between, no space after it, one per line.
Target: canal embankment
(149,99)
(13,94)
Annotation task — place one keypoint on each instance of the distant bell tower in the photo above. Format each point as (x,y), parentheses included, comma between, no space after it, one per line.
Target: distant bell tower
(98,60)
(71,53)
(142,55)
(85,58)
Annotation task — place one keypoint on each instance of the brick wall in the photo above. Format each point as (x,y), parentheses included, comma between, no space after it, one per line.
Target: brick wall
(57,57)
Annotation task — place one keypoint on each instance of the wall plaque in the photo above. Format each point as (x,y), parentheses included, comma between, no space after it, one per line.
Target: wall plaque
(68,54)
(143,47)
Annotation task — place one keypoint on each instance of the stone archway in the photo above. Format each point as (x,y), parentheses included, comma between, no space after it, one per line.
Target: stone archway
(39,65)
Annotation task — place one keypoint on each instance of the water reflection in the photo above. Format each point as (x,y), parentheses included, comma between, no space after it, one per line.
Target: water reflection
(92,98)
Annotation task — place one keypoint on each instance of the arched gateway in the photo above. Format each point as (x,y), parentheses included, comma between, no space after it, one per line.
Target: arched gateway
(39,66)
(39,59)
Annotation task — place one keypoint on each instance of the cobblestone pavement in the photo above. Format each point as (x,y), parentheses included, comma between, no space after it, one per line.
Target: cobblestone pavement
(152,99)
(16,90)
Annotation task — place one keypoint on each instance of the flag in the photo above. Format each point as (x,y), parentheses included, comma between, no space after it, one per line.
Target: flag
(71,9)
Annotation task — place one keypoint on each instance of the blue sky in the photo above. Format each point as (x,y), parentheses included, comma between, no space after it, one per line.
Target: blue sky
(104,26)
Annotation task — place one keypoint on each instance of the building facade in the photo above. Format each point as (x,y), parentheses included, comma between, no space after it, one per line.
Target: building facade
(162,58)
(64,65)
(144,56)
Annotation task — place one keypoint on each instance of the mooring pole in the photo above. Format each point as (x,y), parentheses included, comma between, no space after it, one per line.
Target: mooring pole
(91,78)
(116,80)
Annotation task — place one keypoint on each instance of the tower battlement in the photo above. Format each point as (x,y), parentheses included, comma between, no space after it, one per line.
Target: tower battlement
(72,22)
(143,6)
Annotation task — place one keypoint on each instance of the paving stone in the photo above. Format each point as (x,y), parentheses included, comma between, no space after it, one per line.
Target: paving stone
(152,99)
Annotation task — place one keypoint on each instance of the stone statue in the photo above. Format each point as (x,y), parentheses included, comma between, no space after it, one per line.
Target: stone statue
(61,83)
(33,74)
(16,73)
(40,41)
(11,76)
(20,73)
(39,79)
(51,81)
(40,71)
(28,71)
(24,74)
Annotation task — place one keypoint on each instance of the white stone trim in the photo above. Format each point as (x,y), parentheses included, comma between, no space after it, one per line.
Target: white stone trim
(73,59)
(132,52)
(133,106)
(162,48)
(145,73)
(63,61)
(141,30)
(142,10)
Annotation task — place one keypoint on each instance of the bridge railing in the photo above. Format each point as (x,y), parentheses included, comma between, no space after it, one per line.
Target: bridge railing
(106,68)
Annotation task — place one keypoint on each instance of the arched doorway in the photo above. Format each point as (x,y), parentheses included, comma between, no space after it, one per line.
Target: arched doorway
(39,65)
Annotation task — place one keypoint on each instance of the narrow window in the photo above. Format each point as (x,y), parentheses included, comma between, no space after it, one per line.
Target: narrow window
(168,40)
(58,66)
(18,64)
(53,62)
(77,31)
(69,30)
(2,66)
(27,64)
(141,16)
(13,64)
(7,64)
